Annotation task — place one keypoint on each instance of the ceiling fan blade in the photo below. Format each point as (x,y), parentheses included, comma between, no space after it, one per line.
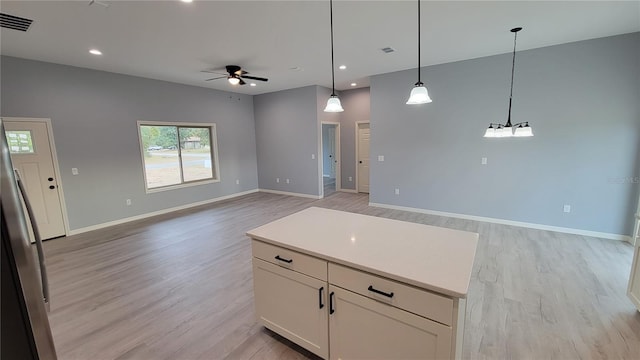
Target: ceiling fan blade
(213,72)
(242,82)
(215,78)
(255,78)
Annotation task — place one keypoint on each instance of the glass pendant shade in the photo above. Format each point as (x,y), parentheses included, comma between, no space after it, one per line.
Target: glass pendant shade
(523,131)
(491,132)
(419,95)
(506,131)
(234,81)
(333,105)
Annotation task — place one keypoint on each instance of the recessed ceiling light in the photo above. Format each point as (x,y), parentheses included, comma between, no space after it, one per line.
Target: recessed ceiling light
(353,84)
(342,67)
(187,1)
(95,52)
(253,84)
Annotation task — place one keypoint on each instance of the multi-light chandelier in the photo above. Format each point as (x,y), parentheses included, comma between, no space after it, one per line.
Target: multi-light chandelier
(508,130)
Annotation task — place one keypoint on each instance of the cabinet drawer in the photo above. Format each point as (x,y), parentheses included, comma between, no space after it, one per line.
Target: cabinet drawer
(290,259)
(406,297)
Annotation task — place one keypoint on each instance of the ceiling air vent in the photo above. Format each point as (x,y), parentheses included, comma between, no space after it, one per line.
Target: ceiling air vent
(388,49)
(14,22)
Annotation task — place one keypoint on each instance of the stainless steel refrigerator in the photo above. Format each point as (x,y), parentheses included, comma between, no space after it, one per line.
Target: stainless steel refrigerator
(25,331)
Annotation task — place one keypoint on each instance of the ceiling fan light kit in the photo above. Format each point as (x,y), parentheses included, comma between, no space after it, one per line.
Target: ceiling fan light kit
(522,129)
(234,75)
(333,104)
(419,94)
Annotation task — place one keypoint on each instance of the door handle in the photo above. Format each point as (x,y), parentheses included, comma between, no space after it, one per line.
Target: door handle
(51,187)
(360,161)
(320,297)
(50,179)
(330,155)
(331,309)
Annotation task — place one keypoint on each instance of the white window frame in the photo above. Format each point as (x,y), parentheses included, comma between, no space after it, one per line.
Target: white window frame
(214,156)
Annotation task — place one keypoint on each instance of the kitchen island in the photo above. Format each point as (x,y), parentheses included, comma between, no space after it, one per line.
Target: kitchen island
(345,285)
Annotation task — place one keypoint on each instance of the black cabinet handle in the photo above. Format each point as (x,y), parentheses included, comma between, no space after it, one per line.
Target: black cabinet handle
(320,297)
(331,309)
(289,261)
(389,295)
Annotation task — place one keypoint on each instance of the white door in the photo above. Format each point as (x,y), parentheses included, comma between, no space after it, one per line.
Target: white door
(30,150)
(332,151)
(361,328)
(634,279)
(363,158)
(293,305)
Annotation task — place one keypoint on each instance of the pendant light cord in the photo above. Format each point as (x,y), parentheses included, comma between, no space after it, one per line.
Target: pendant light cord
(513,62)
(513,67)
(419,82)
(333,79)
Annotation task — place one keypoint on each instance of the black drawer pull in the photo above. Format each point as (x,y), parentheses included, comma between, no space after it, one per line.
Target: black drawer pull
(320,297)
(331,309)
(289,261)
(389,295)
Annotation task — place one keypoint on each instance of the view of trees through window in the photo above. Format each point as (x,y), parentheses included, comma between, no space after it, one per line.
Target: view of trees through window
(175,154)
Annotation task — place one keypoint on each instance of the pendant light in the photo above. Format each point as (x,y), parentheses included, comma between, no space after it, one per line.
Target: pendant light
(419,94)
(333,104)
(507,130)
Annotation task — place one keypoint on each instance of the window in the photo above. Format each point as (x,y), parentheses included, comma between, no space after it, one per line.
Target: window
(19,141)
(178,154)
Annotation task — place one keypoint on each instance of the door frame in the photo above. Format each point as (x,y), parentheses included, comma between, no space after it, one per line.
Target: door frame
(357,142)
(338,158)
(54,157)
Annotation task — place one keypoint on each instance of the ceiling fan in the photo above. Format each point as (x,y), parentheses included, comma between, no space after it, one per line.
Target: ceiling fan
(234,75)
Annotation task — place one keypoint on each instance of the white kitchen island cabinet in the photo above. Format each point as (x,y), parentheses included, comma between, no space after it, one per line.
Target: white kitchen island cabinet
(348,286)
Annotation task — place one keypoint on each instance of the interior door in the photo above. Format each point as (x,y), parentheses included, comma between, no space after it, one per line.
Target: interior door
(633,290)
(29,146)
(332,151)
(363,158)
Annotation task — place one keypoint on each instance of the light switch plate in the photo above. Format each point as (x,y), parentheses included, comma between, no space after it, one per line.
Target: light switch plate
(484,161)
(74,171)
(380,157)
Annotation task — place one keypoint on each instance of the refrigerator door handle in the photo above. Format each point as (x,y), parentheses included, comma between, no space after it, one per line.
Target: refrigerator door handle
(36,235)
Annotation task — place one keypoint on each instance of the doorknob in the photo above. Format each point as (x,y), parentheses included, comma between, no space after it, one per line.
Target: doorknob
(50,179)
(51,187)
(360,161)
(330,155)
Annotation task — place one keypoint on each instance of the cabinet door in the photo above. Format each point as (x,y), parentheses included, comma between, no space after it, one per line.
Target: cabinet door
(361,328)
(293,305)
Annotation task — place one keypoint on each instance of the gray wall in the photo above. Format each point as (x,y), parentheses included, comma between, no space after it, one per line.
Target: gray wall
(356,104)
(582,100)
(287,135)
(94,114)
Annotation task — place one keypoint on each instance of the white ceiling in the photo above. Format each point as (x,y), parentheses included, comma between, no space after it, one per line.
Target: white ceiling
(174,41)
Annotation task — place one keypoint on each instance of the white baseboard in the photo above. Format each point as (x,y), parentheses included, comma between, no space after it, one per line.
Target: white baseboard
(509,222)
(159,212)
(349,191)
(290,193)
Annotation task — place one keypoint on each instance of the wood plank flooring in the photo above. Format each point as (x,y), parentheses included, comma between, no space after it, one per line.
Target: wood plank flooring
(179,286)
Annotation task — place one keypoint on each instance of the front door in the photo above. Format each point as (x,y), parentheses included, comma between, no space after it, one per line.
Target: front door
(30,150)
(363,158)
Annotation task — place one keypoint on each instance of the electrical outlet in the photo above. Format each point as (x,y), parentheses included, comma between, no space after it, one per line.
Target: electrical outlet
(128,201)
(313,156)
(567,208)
(380,157)
(74,171)
(350,178)
(484,161)
(277,180)
(237,181)
(397,191)
(287,181)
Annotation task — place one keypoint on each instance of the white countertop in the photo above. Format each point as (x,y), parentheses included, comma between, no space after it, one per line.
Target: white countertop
(429,257)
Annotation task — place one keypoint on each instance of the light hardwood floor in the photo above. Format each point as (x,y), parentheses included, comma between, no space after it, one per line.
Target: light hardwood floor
(179,286)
